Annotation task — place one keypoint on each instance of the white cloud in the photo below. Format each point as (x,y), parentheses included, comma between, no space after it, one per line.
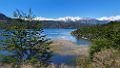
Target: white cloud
(72,18)
(43,18)
(111,18)
(59,19)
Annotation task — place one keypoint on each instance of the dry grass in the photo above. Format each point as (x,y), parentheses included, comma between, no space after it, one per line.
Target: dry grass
(64,47)
(107,58)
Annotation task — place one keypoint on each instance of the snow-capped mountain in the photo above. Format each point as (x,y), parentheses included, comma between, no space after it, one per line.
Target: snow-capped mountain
(71,18)
(67,18)
(111,18)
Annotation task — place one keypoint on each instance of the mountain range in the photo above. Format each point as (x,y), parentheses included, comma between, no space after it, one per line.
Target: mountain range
(73,19)
(68,21)
(77,18)
(3,17)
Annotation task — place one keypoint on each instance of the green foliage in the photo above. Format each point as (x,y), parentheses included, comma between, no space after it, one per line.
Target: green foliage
(102,36)
(99,44)
(24,42)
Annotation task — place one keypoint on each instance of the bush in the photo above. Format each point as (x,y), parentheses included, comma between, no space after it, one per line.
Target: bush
(83,62)
(98,45)
(107,58)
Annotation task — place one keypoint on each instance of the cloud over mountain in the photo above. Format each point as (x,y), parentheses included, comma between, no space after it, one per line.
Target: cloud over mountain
(67,18)
(111,18)
(71,18)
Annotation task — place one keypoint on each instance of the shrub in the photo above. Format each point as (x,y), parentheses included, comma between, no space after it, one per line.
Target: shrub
(83,62)
(107,58)
(98,45)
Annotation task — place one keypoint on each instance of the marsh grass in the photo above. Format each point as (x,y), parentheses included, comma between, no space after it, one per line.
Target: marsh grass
(107,58)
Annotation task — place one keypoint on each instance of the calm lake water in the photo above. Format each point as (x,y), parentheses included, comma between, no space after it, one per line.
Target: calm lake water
(64,34)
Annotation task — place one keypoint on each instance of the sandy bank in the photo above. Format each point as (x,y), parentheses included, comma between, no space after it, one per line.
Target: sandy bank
(65,47)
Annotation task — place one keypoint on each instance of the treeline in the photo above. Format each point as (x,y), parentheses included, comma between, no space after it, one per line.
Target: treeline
(52,24)
(62,24)
(49,24)
(97,31)
(24,23)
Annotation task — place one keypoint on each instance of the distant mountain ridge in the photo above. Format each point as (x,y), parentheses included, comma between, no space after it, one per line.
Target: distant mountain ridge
(77,18)
(111,18)
(3,17)
(68,21)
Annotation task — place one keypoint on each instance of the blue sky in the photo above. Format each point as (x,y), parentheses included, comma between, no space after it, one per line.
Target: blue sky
(61,8)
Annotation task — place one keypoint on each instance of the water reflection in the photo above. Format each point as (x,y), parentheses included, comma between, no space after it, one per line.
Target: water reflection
(64,34)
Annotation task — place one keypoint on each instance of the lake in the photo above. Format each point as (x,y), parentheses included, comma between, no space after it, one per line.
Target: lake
(64,34)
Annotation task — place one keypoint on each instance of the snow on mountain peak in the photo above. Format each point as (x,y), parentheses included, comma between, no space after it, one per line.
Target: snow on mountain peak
(72,18)
(67,18)
(111,18)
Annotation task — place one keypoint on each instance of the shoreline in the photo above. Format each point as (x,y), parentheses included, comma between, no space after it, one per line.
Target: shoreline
(71,46)
(65,50)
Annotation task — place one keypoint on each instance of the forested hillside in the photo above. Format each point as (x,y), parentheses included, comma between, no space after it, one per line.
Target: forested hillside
(97,31)
(61,24)
(106,41)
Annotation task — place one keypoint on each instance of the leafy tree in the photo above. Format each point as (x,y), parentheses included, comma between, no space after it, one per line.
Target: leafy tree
(24,43)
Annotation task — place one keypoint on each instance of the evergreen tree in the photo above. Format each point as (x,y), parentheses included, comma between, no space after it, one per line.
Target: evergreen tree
(24,43)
